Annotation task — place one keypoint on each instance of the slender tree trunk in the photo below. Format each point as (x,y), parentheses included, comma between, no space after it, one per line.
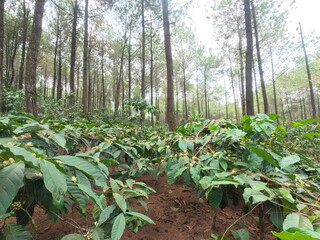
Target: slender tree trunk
(32,57)
(233,88)
(242,89)
(177,101)
(249,59)
(143,67)
(170,87)
(24,43)
(263,87)
(73,50)
(256,87)
(129,61)
(1,53)
(59,80)
(85,61)
(56,55)
(313,105)
(102,80)
(185,92)
(151,70)
(274,86)
(205,93)
(12,58)
(198,97)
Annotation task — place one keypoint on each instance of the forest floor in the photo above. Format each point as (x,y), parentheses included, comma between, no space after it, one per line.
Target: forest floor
(176,210)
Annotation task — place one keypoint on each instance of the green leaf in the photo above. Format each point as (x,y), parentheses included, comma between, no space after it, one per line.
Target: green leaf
(59,139)
(183,145)
(105,214)
(265,155)
(73,236)
(276,216)
(241,234)
(302,234)
(54,181)
(118,227)
(91,195)
(256,195)
(16,232)
(86,167)
(11,180)
(215,197)
(297,221)
(121,202)
(28,157)
(142,216)
(77,195)
(289,160)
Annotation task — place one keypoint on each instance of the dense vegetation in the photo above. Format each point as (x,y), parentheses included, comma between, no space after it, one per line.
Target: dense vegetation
(93,95)
(53,163)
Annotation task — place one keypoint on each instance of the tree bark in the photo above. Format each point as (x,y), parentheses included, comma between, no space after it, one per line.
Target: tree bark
(24,43)
(249,59)
(263,87)
(242,89)
(170,86)
(73,48)
(85,61)
(274,86)
(313,105)
(1,53)
(32,57)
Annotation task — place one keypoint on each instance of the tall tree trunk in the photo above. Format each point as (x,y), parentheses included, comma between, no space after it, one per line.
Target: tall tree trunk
(249,59)
(205,93)
(313,104)
(263,87)
(24,43)
(1,53)
(102,80)
(256,86)
(59,79)
(233,88)
(274,86)
(56,55)
(226,98)
(198,97)
(185,92)
(242,89)
(12,58)
(73,49)
(170,87)
(143,68)
(85,61)
(151,69)
(129,61)
(32,57)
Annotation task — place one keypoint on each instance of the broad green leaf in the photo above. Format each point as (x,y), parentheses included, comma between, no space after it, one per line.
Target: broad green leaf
(254,161)
(91,194)
(289,160)
(86,167)
(73,236)
(297,235)
(215,197)
(16,232)
(276,216)
(121,202)
(183,145)
(54,181)
(105,214)
(241,234)
(297,221)
(77,195)
(59,139)
(118,227)
(28,157)
(11,180)
(264,154)
(195,174)
(114,186)
(142,216)
(256,195)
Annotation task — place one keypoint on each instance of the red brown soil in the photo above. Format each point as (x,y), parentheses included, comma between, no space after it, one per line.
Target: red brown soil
(176,210)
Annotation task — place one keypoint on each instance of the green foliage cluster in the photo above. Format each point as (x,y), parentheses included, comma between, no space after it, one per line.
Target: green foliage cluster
(52,163)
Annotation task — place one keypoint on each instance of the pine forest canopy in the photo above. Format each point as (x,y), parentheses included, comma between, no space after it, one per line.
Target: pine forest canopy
(73,57)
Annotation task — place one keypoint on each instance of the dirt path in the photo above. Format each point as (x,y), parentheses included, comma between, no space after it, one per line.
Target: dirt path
(176,210)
